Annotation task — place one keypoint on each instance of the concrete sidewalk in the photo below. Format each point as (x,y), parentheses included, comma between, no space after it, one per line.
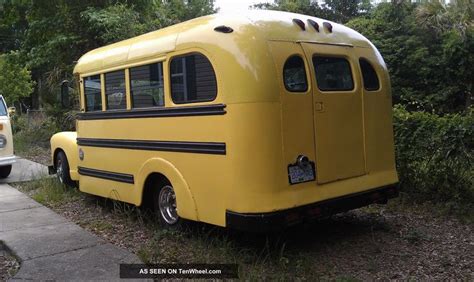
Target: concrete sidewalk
(25,170)
(52,248)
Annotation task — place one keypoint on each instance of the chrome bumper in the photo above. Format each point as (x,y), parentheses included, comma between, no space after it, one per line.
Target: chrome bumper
(7,160)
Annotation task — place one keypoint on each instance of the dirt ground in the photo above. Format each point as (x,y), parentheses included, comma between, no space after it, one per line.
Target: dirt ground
(398,241)
(37,154)
(8,264)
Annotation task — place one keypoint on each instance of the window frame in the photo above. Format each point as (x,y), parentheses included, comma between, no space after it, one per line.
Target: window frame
(171,83)
(348,60)
(305,74)
(376,75)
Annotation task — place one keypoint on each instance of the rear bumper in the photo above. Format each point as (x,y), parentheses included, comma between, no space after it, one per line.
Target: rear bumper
(7,160)
(273,221)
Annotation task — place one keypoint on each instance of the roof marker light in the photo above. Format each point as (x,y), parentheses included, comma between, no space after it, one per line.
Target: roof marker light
(300,23)
(314,24)
(223,29)
(328,26)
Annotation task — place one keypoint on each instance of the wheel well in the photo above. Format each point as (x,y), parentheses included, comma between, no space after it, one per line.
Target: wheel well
(152,182)
(55,156)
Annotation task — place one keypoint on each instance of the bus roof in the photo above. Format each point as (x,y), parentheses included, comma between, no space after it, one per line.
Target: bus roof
(268,25)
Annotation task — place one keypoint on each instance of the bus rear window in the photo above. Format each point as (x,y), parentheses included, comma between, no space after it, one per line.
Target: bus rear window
(371,81)
(92,93)
(192,79)
(294,74)
(333,73)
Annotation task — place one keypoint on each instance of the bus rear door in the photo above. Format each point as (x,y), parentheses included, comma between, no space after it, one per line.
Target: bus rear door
(337,111)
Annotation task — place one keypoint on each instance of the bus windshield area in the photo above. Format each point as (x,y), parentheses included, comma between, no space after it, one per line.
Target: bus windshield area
(3,108)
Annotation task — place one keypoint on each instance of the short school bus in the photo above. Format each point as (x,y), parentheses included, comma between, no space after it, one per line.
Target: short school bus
(253,122)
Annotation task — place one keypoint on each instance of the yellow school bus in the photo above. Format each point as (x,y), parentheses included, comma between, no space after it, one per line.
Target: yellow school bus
(255,122)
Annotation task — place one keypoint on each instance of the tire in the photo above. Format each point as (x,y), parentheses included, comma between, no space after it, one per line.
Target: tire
(165,207)
(62,170)
(5,171)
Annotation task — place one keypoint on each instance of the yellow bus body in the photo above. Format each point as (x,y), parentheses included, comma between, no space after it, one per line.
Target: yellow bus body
(251,132)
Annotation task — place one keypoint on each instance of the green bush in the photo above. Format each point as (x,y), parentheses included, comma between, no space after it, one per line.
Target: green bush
(33,131)
(435,156)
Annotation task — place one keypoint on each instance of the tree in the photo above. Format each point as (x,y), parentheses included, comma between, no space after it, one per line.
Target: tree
(429,70)
(344,10)
(334,10)
(13,24)
(15,79)
(306,7)
(51,35)
(113,23)
(453,23)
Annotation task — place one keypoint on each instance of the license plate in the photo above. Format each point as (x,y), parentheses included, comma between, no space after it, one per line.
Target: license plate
(298,174)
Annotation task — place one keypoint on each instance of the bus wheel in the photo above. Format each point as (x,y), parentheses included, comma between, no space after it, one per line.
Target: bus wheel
(5,171)
(62,170)
(164,202)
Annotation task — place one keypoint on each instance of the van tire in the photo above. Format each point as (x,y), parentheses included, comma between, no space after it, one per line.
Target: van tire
(62,170)
(165,206)
(5,171)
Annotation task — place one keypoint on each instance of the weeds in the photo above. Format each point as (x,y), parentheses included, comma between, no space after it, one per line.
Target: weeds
(49,191)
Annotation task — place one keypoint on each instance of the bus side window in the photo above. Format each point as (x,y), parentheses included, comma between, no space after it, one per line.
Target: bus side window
(192,79)
(92,95)
(371,80)
(146,86)
(115,90)
(294,74)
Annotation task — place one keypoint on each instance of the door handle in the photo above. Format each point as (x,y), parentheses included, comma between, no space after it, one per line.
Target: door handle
(318,106)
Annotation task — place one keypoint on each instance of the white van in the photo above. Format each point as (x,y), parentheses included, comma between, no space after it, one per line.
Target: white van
(7,158)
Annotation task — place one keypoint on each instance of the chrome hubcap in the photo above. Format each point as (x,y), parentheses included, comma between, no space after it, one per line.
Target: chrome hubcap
(167,204)
(59,171)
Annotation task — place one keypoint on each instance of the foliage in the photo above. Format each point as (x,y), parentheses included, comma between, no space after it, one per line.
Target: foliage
(15,79)
(13,24)
(334,10)
(112,23)
(50,36)
(427,48)
(435,156)
(33,130)
(430,70)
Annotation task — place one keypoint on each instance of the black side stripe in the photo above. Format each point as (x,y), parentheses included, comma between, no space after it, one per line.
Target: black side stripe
(115,176)
(205,110)
(170,146)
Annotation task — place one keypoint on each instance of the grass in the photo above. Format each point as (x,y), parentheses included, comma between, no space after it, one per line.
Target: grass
(99,225)
(49,191)
(332,249)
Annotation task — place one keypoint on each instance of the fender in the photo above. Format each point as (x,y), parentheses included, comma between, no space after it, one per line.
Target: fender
(184,198)
(66,141)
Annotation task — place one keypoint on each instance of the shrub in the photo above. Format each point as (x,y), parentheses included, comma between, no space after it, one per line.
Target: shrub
(435,156)
(33,130)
